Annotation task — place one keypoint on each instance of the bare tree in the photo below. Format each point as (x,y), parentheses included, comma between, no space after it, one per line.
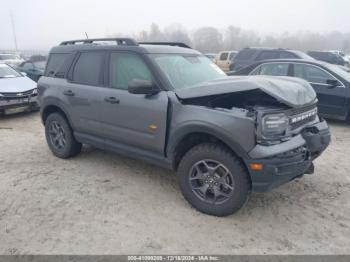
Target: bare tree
(207,39)
(210,39)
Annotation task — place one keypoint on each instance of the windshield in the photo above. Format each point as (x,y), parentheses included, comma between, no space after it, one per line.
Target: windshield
(8,57)
(8,72)
(40,64)
(187,70)
(339,71)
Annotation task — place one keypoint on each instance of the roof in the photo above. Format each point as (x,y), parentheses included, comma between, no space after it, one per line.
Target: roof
(313,61)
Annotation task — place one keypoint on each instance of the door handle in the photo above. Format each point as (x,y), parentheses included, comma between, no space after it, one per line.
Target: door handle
(112,100)
(68,93)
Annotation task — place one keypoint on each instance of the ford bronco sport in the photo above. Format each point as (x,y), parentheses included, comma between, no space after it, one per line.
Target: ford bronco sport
(173,107)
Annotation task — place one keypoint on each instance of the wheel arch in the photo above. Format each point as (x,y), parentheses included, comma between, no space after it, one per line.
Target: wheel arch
(185,138)
(53,108)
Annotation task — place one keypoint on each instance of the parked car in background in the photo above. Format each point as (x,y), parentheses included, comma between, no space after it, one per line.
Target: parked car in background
(329,57)
(18,93)
(341,53)
(34,70)
(37,58)
(175,108)
(10,59)
(211,56)
(225,59)
(251,55)
(331,83)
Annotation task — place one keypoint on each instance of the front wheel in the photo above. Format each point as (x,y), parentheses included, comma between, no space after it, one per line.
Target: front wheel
(213,180)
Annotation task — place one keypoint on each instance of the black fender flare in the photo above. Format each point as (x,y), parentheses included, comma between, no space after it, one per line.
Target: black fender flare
(53,102)
(205,128)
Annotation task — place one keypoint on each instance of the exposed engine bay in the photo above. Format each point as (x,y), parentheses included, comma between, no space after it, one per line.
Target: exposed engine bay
(251,100)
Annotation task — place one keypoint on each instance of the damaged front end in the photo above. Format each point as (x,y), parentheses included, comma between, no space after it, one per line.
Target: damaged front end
(289,135)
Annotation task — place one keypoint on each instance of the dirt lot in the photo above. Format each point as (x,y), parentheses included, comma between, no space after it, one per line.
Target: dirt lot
(101,203)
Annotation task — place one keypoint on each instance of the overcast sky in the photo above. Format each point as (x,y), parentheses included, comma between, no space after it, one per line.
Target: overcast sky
(43,23)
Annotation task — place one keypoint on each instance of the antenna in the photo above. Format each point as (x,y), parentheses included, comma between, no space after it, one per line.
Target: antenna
(13,30)
(87,37)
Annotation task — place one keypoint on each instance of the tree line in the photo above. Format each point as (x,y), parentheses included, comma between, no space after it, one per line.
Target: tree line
(211,40)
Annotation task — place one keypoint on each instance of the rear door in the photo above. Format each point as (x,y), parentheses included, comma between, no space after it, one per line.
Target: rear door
(83,92)
(133,120)
(332,100)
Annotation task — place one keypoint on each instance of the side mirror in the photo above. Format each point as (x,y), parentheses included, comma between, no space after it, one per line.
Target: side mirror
(332,83)
(23,73)
(143,87)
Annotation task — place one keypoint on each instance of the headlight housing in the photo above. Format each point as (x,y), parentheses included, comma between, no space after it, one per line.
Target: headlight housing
(35,91)
(274,124)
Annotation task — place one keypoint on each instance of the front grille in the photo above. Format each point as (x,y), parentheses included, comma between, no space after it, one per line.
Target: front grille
(17,95)
(301,116)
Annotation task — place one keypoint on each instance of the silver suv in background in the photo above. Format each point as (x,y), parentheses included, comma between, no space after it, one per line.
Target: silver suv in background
(173,107)
(11,59)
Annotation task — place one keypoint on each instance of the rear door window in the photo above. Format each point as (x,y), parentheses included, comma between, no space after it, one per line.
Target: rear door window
(273,69)
(88,68)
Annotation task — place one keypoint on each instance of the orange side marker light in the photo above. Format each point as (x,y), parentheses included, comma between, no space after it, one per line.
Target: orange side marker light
(256,166)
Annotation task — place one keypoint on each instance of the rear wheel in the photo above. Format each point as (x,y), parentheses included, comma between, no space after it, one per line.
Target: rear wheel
(213,180)
(59,137)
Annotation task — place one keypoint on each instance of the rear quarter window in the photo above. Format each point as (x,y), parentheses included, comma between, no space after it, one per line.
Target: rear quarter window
(55,64)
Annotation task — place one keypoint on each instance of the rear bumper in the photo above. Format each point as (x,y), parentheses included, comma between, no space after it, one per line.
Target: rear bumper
(18,105)
(289,160)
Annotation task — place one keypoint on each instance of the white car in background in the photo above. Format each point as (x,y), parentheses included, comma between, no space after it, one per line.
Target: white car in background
(18,93)
(11,59)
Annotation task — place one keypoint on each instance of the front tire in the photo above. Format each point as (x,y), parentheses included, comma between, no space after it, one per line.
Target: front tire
(60,138)
(213,180)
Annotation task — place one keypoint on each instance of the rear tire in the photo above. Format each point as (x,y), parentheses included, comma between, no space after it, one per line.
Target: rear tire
(60,138)
(213,180)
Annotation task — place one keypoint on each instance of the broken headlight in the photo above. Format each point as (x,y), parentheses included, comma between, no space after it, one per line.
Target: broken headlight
(274,124)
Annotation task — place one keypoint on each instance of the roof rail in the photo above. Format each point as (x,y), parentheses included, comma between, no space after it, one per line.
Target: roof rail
(179,44)
(119,41)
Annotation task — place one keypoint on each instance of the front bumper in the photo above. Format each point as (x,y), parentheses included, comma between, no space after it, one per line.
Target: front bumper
(12,106)
(288,160)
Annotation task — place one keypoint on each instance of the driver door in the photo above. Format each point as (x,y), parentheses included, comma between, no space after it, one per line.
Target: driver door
(132,120)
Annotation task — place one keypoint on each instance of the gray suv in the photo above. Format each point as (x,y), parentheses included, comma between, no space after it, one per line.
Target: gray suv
(173,107)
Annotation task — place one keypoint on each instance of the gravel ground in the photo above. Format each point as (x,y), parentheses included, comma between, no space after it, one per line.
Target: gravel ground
(102,203)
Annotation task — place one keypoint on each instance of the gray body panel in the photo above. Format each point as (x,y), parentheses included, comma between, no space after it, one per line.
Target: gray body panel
(236,129)
(128,122)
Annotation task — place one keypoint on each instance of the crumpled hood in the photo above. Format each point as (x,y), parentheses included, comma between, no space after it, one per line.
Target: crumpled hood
(16,84)
(293,92)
